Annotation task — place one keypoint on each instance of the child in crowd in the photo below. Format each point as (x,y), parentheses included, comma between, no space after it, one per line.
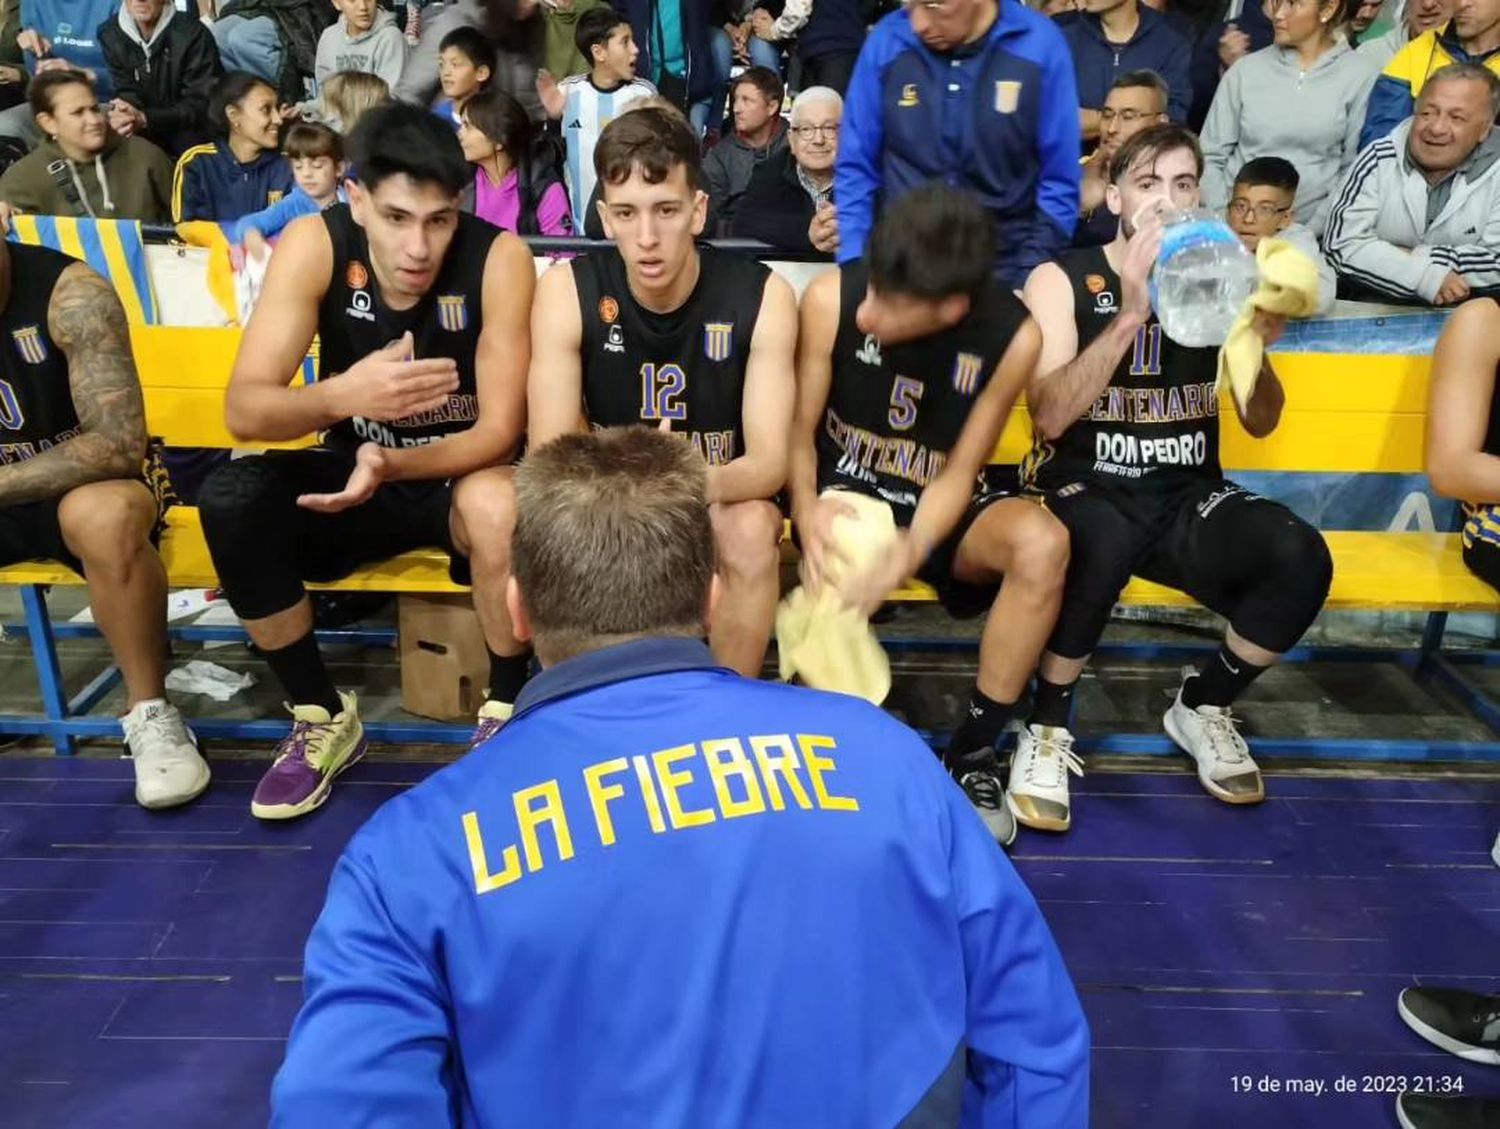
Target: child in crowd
(316,154)
(365,38)
(587,103)
(1260,205)
(347,95)
(466,60)
(511,189)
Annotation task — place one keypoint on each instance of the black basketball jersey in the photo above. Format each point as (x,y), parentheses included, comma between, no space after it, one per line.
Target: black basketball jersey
(894,412)
(687,366)
(1157,423)
(353,322)
(36,400)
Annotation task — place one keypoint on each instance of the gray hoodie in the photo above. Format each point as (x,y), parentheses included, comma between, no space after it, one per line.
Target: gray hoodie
(1266,106)
(379,51)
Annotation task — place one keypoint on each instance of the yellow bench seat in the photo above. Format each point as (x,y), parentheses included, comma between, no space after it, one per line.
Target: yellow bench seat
(1371,572)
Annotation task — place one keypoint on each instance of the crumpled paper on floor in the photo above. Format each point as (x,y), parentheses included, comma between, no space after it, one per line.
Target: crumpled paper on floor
(211,679)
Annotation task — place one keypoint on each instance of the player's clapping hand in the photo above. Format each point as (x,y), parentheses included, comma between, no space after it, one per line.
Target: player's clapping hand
(364,480)
(390,385)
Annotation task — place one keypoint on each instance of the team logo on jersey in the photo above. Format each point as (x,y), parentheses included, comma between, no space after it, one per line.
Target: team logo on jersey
(966,370)
(361,305)
(614,342)
(453,312)
(1104,302)
(30,345)
(718,340)
(1095,283)
(356,275)
(1007,97)
(609,310)
(869,352)
(274,196)
(908,96)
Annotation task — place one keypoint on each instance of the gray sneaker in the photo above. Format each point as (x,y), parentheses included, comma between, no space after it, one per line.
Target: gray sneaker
(979,777)
(168,767)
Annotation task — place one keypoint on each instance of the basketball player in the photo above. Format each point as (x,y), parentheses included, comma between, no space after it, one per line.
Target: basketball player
(662,332)
(421,312)
(908,363)
(73,488)
(1127,456)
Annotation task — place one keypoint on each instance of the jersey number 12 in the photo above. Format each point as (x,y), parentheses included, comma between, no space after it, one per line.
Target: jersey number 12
(662,389)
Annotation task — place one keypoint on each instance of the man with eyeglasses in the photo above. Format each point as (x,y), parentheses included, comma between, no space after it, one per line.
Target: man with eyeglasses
(1138,99)
(789,202)
(1260,205)
(978,94)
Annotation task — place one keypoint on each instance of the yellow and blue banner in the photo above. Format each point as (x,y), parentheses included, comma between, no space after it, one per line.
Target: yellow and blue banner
(114,248)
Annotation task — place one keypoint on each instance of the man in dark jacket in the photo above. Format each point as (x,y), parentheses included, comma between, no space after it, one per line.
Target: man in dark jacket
(673,39)
(759,135)
(830,42)
(789,191)
(1111,37)
(164,64)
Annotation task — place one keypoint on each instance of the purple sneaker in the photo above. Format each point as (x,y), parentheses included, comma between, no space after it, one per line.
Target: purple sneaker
(316,750)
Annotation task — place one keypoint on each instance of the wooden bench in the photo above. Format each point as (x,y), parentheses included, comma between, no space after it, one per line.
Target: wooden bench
(1352,414)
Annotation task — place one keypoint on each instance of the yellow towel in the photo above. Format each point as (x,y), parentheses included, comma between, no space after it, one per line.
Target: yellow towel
(828,644)
(1288,285)
(202,233)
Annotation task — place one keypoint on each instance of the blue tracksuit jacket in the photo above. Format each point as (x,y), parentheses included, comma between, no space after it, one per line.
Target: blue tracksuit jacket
(666,896)
(999,118)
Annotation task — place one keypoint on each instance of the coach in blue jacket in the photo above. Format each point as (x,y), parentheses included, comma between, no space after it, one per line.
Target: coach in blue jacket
(979,94)
(666,896)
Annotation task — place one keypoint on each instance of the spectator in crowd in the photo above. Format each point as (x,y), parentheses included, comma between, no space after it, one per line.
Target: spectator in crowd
(1361,15)
(365,38)
(759,135)
(1136,101)
(510,189)
(515,29)
(818,937)
(676,59)
(587,103)
(560,53)
(316,156)
(64,35)
(347,95)
(1417,18)
(736,41)
(242,171)
(13,76)
(1261,205)
(789,201)
(1419,215)
(1302,98)
(986,103)
(80,168)
(1246,28)
(164,64)
(1471,36)
(275,40)
(829,44)
(465,67)
(1110,37)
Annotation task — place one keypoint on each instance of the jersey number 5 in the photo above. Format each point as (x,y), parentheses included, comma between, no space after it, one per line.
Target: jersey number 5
(10,408)
(905,393)
(662,390)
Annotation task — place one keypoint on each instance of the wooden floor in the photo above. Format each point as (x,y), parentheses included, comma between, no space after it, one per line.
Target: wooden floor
(149,963)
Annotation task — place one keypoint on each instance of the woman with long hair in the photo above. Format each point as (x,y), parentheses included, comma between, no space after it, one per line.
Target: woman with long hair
(242,171)
(512,189)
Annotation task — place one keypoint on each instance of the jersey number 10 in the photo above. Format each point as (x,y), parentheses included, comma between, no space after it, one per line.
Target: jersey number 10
(662,389)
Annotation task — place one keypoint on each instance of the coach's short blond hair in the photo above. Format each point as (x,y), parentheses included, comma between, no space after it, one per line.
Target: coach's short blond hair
(612,540)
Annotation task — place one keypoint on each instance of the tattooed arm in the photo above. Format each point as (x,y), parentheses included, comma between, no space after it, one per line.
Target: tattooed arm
(87,322)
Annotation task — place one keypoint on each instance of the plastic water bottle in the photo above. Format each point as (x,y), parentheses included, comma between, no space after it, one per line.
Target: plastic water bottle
(1202,278)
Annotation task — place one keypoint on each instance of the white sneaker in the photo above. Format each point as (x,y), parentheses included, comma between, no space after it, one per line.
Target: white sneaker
(1038,794)
(1495,850)
(1208,734)
(168,768)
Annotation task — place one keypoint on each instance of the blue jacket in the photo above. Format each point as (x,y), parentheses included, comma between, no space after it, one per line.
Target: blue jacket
(1393,98)
(643,18)
(210,184)
(272,221)
(1207,67)
(999,119)
(1156,45)
(666,896)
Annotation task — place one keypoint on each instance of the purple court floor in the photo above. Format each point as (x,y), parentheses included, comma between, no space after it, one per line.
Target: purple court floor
(149,963)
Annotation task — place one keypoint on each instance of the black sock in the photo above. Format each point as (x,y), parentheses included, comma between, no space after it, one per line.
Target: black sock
(1054,703)
(984,721)
(1220,680)
(507,676)
(300,670)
